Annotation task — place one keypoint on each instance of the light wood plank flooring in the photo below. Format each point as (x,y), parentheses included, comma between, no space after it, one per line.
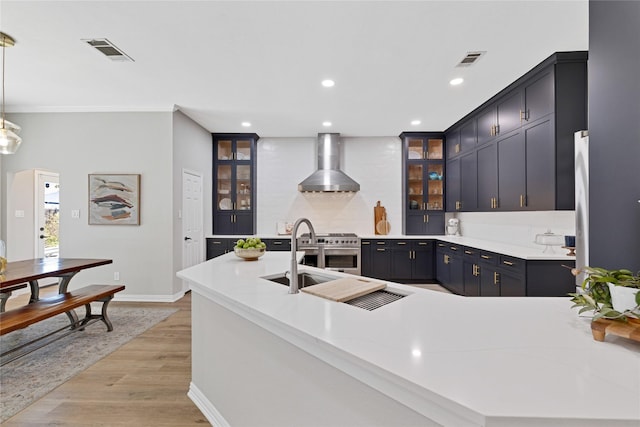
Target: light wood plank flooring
(143,383)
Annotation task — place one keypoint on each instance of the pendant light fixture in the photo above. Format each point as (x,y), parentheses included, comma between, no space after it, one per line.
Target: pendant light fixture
(9,140)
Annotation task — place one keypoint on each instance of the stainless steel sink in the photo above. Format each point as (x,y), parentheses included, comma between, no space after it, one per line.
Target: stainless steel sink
(304,279)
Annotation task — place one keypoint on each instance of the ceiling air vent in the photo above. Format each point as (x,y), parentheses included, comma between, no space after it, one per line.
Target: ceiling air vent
(470,59)
(108,49)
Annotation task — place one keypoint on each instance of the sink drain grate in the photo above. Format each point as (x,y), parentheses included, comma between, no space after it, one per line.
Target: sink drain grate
(374,300)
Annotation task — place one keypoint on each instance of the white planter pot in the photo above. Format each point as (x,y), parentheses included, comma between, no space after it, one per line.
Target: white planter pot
(622,298)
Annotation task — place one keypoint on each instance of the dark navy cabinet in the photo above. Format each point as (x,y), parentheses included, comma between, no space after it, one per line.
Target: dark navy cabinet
(217,247)
(423,185)
(234,183)
(522,155)
(475,272)
(402,261)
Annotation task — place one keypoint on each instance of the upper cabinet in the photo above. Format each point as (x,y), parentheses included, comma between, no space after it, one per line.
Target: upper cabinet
(424,182)
(234,183)
(515,151)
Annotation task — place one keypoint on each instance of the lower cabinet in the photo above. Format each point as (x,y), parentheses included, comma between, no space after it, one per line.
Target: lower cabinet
(450,267)
(217,247)
(278,244)
(473,272)
(403,261)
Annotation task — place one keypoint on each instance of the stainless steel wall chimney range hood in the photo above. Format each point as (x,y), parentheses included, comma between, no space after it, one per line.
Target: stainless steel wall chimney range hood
(329,177)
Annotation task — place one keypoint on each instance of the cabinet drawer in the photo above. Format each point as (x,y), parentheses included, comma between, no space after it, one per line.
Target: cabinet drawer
(489,257)
(456,249)
(278,245)
(470,254)
(423,244)
(515,265)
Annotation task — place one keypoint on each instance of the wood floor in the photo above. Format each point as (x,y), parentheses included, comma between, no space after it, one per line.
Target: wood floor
(143,383)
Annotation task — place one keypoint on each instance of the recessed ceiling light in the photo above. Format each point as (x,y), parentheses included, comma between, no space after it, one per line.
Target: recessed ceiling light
(456,81)
(246,124)
(415,122)
(328,83)
(326,124)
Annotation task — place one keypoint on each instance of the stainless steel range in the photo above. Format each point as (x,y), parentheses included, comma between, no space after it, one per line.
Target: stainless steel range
(333,251)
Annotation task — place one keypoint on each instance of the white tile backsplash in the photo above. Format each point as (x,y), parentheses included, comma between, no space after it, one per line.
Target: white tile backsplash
(518,228)
(376,164)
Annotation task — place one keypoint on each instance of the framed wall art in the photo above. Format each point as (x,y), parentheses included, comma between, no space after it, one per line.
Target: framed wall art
(114,199)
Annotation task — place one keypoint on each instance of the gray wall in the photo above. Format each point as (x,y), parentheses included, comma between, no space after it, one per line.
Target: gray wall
(193,151)
(77,144)
(614,134)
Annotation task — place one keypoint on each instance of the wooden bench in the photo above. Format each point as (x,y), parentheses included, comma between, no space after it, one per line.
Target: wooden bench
(45,308)
(6,293)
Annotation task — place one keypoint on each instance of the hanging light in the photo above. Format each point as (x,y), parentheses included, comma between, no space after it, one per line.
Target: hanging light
(9,140)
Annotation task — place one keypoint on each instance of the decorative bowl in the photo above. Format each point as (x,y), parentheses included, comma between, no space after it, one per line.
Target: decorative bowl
(250,254)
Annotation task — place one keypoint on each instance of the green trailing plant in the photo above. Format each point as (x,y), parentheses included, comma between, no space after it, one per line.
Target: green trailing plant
(595,295)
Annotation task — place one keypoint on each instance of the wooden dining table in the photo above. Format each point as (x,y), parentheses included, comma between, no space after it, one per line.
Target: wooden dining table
(19,273)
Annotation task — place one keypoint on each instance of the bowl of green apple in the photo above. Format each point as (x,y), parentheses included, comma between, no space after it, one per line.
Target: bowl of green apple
(250,249)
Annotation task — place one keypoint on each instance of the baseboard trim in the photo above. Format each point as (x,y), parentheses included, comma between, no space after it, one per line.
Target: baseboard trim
(214,417)
(149,298)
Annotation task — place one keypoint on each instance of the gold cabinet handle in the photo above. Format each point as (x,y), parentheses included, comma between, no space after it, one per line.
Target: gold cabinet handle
(277,243)
(496,277)
(497,129)
(485,256)
(425,155)
(380,243)
(468,252)
(401,243)
(424,206)
(453,248)
(446,259)
(423,243)
(365,243)
(426,218)
(380,249)
(507,262)
(442,245)
(457,149)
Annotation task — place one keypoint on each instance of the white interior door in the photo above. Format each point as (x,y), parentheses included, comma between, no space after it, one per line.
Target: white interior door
(47,215)
(192,220)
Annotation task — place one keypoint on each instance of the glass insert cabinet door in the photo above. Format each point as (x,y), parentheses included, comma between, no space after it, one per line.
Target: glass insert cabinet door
(224,188)
(421,148)
(415,180)
(435,186)
(435,149)
(234,150)
(243,187)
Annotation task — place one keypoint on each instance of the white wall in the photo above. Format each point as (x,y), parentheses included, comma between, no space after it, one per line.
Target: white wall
(77,144)
(192,150)
(374,162)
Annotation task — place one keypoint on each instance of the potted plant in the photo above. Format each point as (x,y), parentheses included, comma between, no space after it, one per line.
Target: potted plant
(610,294)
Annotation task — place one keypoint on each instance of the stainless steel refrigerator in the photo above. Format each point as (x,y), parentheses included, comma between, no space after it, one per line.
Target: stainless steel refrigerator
(582,202)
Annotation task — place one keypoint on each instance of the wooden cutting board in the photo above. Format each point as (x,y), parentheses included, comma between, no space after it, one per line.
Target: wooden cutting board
(344,289)
(379,213)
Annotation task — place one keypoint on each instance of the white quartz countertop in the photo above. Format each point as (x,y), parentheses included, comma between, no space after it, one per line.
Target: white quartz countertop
(523,252)
(492,361)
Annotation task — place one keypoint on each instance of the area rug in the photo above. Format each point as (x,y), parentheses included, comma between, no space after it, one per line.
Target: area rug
(27,379)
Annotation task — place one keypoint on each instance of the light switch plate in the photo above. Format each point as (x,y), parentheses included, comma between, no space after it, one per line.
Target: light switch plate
(75,213)
(19,214)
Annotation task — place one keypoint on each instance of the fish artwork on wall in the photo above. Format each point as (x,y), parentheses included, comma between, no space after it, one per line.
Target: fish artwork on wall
(114,199)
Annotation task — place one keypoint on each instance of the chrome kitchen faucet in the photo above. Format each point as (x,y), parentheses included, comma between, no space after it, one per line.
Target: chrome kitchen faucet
(293,280)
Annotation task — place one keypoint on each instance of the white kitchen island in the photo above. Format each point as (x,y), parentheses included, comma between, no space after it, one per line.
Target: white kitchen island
(263,357)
